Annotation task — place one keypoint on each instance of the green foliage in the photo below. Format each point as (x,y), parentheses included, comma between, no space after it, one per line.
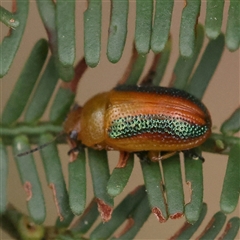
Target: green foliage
(162,194)
(9,45)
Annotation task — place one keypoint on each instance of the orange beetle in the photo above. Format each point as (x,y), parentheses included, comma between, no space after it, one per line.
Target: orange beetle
(134,119)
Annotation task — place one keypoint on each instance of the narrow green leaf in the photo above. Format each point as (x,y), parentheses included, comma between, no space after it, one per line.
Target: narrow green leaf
(232,229)
(194,180)
(3,177)
(119,178)
(162,23)
(144,12)
(206,67)
(8,18)
(190,15)
(187,230)
(233,26)
(55,179)
(65,21)
(10,44)
(173,186)
(43,93)
(47,11)
(120,214)
(232,124)
(26,81)
(64,236)
(30,179)
(92,32)
(213,20)
(231,184)
(77,183)
(136,70)
(61,105)
(139,217)
(214,226)
(98,163)
(184,66)
(85,222)
(162,63)
(117,30)
(153,182)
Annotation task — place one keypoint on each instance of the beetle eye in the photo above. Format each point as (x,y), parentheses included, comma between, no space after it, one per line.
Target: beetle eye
(73,134)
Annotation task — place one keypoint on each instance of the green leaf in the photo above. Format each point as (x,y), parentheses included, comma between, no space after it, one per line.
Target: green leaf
(30,179)
(25,83)
(162,23)
(231,184)
(55,179)
(10,44)
(233,26)
(47,11)
(61,105)
(194,180)
(214,226)
(187,230)
(184,66)
(206,67)
(232,229)
(120,214)
(213,20)
(65,21)
(8,18)
(117,30)
(136,70)
(3,179)
(139,216)
(98,163)
(119,178)
(143,28)
(43,93)
(187,29)
(77,183)
(162,63)
(232,124)
(85,222)
(92,32)
(153,181)
(173,186)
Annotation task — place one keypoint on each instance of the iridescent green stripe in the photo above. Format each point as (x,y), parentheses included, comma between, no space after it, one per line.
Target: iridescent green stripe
(135,125)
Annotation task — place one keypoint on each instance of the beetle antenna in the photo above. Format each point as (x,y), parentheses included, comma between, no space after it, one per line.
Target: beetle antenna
(39,147)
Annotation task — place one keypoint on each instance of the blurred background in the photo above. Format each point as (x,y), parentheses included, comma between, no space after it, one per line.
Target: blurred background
(221,98)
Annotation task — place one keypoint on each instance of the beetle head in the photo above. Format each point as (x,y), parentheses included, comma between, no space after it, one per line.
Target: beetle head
(72,124)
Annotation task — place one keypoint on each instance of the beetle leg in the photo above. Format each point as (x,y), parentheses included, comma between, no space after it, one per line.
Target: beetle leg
(123,158)
(108,148)
(153,155)
(193,154)
(143,156)
(162,157)
(72,150)
(76,147)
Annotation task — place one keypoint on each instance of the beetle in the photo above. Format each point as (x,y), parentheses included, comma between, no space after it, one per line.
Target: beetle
(140,118)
